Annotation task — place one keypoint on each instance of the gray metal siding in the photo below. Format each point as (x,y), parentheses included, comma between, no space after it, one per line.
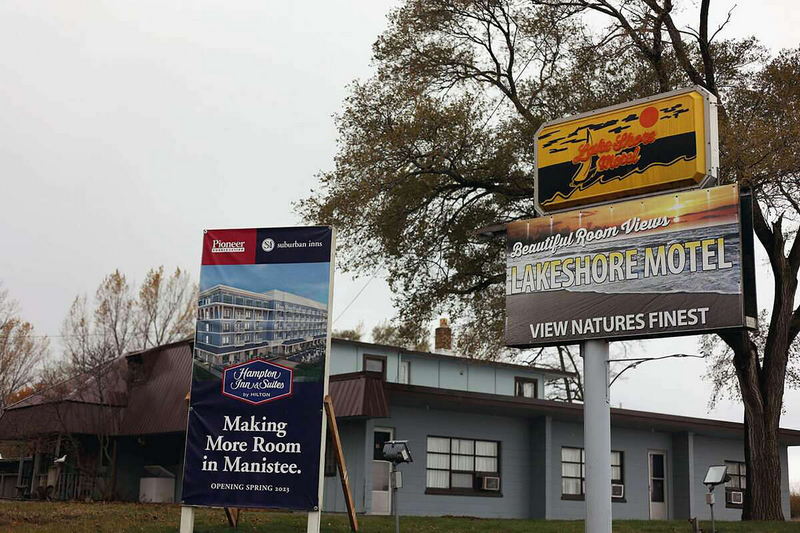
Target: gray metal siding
(634,444)
(344,359)
(415,425)
(352,436)
(430,371)
(541,477)
(424,372)
(683,475)
(709,451)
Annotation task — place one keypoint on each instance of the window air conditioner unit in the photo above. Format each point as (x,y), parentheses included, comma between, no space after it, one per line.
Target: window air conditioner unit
(737,497)
(490,483)
(617,490)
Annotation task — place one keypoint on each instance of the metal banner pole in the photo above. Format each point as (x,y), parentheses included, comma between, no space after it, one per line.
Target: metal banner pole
(393,483)
(597,436)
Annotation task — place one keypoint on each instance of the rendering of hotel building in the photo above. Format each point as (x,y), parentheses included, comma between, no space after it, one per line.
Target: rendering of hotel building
(235,325)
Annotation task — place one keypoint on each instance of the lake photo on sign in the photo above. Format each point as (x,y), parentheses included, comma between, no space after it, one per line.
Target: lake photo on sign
(668,264)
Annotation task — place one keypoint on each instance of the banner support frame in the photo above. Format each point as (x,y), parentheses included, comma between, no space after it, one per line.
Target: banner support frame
(315,517)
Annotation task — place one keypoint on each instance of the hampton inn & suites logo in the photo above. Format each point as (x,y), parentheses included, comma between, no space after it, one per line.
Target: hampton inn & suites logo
(257,381)
(219,246)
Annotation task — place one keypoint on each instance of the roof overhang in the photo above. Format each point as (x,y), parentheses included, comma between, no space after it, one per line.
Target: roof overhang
(514,406)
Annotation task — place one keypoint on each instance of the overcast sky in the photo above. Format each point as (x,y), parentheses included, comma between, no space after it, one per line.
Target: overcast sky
(126,128)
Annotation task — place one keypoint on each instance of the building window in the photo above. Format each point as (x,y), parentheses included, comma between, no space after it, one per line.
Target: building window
(379,438)
(459,466)
(375,363)
(405,372)
(573,472)
(526,387)
(617,469)
(736,484)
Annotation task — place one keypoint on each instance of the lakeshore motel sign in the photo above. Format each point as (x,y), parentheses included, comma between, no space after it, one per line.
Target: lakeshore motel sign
(657,264)
(256,427)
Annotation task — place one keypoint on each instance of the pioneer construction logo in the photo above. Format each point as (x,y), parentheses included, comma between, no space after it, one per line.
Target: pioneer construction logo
(219,246)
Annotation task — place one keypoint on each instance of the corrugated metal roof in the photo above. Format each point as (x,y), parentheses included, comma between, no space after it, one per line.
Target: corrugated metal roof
(359,394)
(157,399)
(59,417)
(83,388)
(143,392)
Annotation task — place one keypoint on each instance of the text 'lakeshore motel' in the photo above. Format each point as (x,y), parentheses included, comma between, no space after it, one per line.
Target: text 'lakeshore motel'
(598,263)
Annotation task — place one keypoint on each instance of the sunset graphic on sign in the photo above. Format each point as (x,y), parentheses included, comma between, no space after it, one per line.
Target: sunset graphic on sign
(686,210)
(646,147)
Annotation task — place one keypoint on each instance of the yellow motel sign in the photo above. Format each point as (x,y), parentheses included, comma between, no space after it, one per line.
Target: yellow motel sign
(665,142)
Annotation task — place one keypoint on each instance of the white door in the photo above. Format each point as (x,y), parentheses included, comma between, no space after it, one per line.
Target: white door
(657,461)
(381,472)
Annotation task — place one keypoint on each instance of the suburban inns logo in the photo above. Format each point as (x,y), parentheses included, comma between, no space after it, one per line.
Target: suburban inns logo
(267,245)
(218,246)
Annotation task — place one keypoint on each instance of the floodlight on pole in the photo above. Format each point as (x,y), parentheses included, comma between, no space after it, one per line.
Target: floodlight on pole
(396,452)
(716,475)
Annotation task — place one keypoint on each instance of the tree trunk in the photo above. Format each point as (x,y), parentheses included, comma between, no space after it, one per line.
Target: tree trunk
(762,405)
(764,473)
(746,509)
(762,380)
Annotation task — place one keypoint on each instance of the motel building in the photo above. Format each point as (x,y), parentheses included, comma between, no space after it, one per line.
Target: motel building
(484,439)
(234,325)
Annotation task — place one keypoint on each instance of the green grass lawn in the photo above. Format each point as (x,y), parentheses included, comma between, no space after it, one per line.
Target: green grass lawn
(29,517)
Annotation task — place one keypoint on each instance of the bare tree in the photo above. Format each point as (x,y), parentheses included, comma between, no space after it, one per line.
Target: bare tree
(353,334)
(93,343)
(98,333)
(404,335)
(165,307)
(22,352)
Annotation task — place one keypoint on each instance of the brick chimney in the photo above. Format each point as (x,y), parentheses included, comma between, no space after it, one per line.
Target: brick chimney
(443,342)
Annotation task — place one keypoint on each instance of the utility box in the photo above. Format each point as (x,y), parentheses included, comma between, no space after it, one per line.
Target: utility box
(158,486)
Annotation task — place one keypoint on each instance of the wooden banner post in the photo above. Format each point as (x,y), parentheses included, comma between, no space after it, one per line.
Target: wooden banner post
(232,514)
(337,446)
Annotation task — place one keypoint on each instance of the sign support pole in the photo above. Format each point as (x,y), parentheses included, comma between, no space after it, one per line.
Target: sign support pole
(597,436)
(187,519)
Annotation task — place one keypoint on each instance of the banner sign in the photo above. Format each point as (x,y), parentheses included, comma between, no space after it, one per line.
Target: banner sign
(668,141)
(664,265)
(260,369)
